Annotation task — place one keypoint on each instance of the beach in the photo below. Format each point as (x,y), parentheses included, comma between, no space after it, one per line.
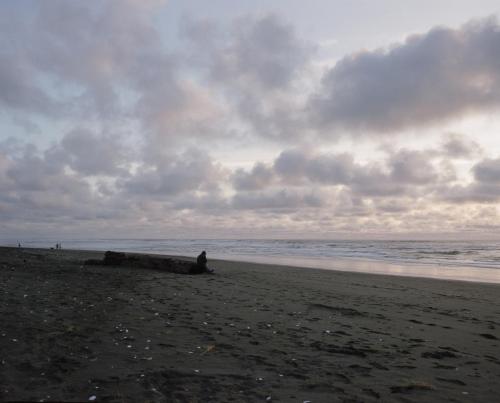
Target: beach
(251,332)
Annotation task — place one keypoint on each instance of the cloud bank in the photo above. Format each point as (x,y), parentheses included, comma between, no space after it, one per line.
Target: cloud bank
(430,78)
(133,126)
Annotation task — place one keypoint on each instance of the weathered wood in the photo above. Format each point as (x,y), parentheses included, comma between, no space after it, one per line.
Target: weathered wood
(147,262)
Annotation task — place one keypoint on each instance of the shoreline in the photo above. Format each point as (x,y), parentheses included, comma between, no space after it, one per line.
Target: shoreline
(474,274)
(310,253)
(482,275)
(247,333)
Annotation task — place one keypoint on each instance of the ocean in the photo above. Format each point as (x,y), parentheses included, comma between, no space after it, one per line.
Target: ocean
(461,260)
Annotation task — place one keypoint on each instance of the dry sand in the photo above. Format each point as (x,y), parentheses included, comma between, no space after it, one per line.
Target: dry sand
(251,332)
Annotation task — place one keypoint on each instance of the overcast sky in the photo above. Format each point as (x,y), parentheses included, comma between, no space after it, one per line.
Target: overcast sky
(261,118)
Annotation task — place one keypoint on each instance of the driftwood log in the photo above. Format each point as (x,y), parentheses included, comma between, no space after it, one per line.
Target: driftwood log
(146,262)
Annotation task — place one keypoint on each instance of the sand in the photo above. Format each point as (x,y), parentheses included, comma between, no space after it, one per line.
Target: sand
(251,332)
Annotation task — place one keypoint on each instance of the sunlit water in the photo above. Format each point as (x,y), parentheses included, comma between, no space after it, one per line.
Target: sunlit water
(461,260)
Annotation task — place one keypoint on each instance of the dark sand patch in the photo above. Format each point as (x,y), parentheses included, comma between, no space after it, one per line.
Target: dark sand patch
(249,333)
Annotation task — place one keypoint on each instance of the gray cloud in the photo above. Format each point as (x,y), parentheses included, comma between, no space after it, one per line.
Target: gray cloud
(295,165)
(190,171)
(406,172)
(263,51)
(17,89)
(266,51)
(91,154)
(472,193)
(107,60)
(458,146)
(413,168)
(261,176)
(394,206)
(98,48)
(488,171)
(404,168)
(291,164)
(484,189)
(106,67)
(254,64)
(211,202)
(31,172)
(277,199)
(375,181)
(429,78)
(81,178)
(36,188)
(332,169)
(86,60)
(186,188)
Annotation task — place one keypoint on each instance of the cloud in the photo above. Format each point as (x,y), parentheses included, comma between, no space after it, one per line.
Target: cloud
(488,171)
(458,146)
(485,187)
(94,61)
(97,48)
(191,171)
(4,166)
(291,164)
(266,51)
(187,191)
(131,114)
(412,168)
(472,193)
(17,89)
(255,64)
(277,199)
(34,187)
(261,176)
(87,176)
(404,174)
(405,167)
(92,154)
(331,169)
(429,78)
(255,51)
(108,61)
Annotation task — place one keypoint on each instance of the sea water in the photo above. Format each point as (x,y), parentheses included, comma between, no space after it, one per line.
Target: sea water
(469,260)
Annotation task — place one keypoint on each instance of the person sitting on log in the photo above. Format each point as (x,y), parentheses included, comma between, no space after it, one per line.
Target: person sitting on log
(201,261)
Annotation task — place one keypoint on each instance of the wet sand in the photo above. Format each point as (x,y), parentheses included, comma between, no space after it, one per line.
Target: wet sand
(252,332)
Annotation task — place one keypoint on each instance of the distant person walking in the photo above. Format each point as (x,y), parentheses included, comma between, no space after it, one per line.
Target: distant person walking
(202,261)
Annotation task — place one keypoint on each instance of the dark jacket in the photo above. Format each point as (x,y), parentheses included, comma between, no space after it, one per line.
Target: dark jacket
(201,260)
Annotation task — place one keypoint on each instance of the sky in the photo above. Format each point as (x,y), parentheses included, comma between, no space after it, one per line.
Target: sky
(250,119)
